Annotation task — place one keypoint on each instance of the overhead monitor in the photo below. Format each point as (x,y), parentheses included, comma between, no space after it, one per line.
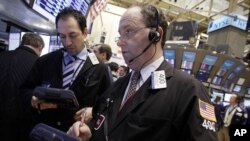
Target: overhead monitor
(188,56)
(50,8)
(227,84)
(217,80)
(14,40)
(169,56)
(246,102)
(206,67)
(237,88)
(55,43)
(221,72)
(188,60)
(231,76)
(227,64)
(209,60)
(217,93)
(239,68)
(227,97)
(202,76)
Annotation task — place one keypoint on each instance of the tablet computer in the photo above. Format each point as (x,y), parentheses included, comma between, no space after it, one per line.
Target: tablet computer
(43,132)
(64,98)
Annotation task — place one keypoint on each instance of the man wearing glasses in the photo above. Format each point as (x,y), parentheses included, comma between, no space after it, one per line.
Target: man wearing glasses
(155,102)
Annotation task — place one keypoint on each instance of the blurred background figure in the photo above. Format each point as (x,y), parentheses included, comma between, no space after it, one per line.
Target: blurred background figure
(234,115)
(103,52)
(14,68)
(218,105)
(114,68)
(122,71)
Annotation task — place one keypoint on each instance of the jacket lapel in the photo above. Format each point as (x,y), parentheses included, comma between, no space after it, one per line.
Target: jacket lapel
(141,95)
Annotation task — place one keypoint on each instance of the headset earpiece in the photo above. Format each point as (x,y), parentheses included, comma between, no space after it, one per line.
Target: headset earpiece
(154,36)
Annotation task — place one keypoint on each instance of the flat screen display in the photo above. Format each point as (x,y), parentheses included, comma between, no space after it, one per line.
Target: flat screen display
(231,76)
(227,64)
(50,8)
(227,97)
(206,67)
(227,84)
(217,80)
(187,71)
(215,93)
(55,43)
(209,60)
(239,68)
(187,65)
(246,102)
(188,56)
(202,76)
(169,56)
(237,88)
(14,40)
(221,72)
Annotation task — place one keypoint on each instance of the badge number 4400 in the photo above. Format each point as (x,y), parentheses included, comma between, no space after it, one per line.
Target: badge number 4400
(209,125)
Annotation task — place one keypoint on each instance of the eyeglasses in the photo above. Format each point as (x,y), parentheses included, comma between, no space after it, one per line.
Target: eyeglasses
(128,34)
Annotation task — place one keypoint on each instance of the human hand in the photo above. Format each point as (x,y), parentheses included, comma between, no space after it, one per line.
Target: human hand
(42,105)
(80,130)
(87,114)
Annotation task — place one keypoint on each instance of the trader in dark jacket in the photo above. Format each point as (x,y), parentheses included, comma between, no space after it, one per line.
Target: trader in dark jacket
(155,102)
(14,68)
(72,67)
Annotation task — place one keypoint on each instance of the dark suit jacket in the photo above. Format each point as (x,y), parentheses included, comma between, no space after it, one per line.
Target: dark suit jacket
(14,68)
(90,83)
(166,114)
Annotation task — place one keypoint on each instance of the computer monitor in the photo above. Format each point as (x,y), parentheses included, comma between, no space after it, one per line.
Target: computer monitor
(217,93)
(209,60)
(227,97)
(14,40)
(217,80)
(206,67)
(246,102)
(169,56)
(202,76)
(50,8)
(227,64)
(237,88)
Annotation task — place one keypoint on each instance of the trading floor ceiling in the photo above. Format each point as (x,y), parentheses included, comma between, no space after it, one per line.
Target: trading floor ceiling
(202,11)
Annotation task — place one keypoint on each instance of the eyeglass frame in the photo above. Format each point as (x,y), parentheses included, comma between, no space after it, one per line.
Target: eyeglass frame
(128,34)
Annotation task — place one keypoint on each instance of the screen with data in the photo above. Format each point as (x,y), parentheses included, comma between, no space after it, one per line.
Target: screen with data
(50,8)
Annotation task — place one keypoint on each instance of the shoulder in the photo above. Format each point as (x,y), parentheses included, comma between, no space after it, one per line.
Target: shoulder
(51,56)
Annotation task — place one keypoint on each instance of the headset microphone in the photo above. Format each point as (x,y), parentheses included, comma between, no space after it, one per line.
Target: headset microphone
(146,48)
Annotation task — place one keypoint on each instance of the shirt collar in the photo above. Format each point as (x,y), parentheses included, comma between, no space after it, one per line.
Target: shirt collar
(147,70)
(81,55)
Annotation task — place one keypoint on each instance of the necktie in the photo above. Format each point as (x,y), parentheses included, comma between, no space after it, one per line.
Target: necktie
(132,87)
(68,74)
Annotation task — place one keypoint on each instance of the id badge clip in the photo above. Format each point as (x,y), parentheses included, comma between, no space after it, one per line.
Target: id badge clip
(93,58)
(158,79)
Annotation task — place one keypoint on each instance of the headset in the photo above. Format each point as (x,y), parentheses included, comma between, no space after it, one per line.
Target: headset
(154,35)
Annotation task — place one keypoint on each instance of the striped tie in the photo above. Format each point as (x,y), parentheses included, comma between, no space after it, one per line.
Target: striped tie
(132,87)
(68,74)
